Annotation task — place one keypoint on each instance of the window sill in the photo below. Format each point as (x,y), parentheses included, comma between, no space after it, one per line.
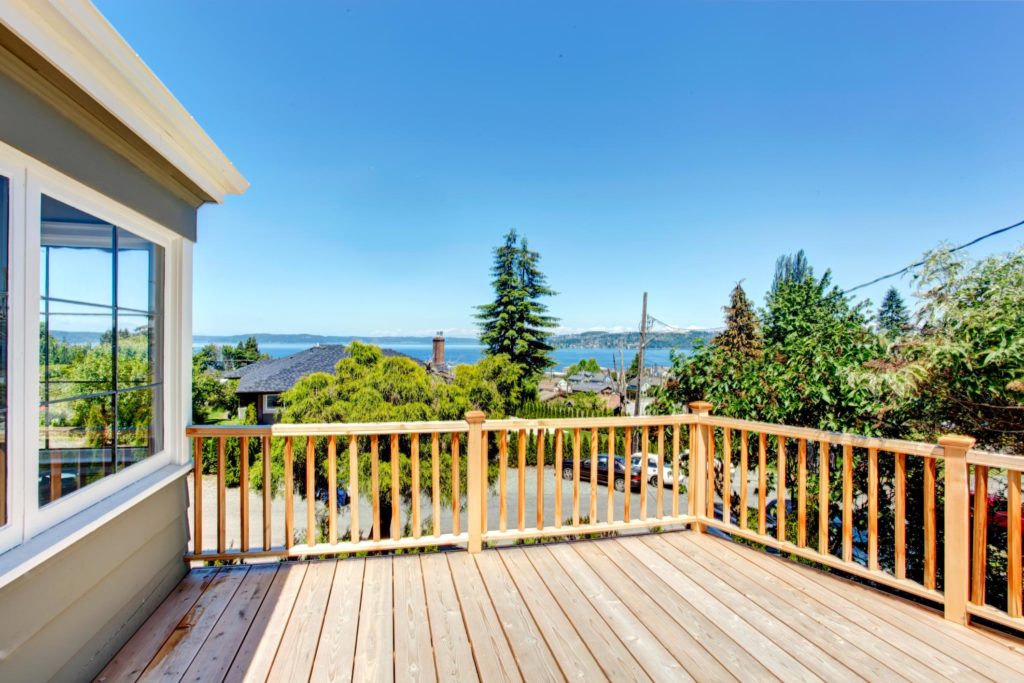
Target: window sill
(23,558)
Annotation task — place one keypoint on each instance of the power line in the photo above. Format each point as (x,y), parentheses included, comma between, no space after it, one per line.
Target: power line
(901,271)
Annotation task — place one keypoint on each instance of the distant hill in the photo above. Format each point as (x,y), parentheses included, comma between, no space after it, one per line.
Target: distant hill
(656,340)
(314,339)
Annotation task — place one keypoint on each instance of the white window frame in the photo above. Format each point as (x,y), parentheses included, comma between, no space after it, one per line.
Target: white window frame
(264,398)
(30,180)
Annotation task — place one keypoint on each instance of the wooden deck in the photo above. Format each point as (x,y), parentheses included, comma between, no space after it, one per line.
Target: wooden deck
(675,606)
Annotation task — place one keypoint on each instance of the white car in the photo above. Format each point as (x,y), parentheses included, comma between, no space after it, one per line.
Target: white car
(652,467)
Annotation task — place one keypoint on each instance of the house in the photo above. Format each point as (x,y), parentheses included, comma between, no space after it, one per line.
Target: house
(102,172)
(261,383)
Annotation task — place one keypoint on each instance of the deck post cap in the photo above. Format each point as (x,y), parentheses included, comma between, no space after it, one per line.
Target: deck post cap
(957,443)
(475,416)
(700,407)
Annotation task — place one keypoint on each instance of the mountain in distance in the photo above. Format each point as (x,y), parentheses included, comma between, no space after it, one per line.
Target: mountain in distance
(597,339)
(594,339)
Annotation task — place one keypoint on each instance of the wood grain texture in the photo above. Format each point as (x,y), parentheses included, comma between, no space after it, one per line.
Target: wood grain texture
(336,648)
(900,514)
(243,494)
(452,653)
(930,530)
(414,474)
(294,659)
(375,645)
(414,655)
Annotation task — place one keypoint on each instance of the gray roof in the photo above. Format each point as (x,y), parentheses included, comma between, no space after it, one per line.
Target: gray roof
(280,374)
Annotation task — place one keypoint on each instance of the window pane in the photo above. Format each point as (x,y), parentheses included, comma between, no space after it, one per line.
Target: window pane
(76,353)
(100,350)
(75,445)
(138,434)
(4,220)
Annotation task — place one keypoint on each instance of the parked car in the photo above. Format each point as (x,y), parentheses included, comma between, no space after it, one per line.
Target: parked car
(652,467)
(342,496)
(602,471)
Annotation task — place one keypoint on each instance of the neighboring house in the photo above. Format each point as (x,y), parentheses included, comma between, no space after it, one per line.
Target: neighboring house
(101,174)
(262,383)
(553,387)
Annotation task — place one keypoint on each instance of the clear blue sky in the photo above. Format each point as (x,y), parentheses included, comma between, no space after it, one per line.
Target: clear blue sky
(671,147)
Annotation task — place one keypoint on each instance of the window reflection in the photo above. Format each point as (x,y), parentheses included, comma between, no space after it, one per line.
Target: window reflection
(100,353)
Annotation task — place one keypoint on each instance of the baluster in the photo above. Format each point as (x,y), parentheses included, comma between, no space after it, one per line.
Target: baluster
(197,495)
(644,452)
(355,535)
(744,477)
(558,478)
(801,494)
(521,511)
(727,475)
(676,429)
(762,481)
(711,473)
(661,476)
(289,493)
(221,495)
(929,523)
(267,539)
(781,492)
(823,497)
(396,522)
(593,475)
(900,515)
(691,500)
(576,477)
(484,436)
(628,497)
(435,482)
(243,493)
(610,515)
(1013,549)
(541,441)
(873,509)
(456,521)
(979,556)
(375,486)
(332,490)
(310,491)
(414,474)
(848,502)
(502,483)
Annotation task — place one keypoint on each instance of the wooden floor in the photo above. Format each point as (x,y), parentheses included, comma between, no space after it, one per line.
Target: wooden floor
(674,607)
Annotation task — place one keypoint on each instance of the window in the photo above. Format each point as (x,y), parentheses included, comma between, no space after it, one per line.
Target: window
(272,403)
(100,349)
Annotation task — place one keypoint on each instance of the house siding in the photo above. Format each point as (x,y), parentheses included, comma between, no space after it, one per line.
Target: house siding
(31,125)
(77,609)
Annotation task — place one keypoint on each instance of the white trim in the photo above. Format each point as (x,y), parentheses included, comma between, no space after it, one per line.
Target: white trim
(13,531)
(74,37)
(35,551)
(267,410)
(30,180)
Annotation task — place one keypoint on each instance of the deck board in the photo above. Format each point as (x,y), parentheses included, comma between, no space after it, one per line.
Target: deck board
(675,606)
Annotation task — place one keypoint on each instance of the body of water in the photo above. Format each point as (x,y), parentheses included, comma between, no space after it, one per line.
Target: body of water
(470,353)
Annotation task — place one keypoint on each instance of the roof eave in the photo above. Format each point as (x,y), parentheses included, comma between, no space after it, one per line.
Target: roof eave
(78,41)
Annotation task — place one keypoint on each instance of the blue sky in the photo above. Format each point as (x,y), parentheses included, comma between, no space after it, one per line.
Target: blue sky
(668,147)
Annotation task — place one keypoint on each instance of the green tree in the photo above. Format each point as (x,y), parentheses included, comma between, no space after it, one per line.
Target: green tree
(893,317)
(583,365)
(516,324)
(963,371)
(371,387)
(741,337)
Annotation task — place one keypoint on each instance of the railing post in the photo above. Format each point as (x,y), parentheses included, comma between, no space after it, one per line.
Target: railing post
(956,537)
(475,480)
(698,480)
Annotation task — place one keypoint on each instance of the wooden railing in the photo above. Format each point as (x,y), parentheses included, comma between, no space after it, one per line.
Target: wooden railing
(895,512)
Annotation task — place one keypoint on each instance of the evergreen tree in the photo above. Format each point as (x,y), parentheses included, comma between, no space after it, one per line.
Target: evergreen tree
(791,268)
(516,323)
(742,334)
(893,318)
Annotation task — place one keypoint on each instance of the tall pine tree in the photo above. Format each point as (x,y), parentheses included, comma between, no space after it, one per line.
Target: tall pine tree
(516,323)
(893,318)
(742,334)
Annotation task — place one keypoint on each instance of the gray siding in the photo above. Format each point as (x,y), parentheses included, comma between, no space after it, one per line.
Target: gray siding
(67,618)
(33,126)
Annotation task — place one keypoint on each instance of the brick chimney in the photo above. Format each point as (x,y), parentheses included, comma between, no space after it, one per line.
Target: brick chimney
(438,360)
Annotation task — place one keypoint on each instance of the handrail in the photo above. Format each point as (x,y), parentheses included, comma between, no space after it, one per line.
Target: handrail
(473,481)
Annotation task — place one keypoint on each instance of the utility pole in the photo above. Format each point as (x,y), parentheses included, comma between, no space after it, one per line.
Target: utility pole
(640,359)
